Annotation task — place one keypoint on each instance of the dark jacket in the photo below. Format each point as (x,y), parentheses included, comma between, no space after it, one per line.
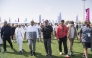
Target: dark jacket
(6,31)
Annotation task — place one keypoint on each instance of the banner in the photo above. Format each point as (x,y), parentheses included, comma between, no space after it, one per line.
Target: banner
(39,18)
(59,18)
(53,21)
(0,19)
(18,19)
(9,20)
(15,20)
(25,20)
(77,19)
(87,14)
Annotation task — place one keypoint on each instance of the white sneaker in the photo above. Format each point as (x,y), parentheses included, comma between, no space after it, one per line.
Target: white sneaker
(60,53)
(66,55)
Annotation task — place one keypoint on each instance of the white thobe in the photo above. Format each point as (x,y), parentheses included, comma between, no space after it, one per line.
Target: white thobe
(19,37)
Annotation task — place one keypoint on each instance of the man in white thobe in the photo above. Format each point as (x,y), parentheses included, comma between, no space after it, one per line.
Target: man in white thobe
(33,35)
(19,34)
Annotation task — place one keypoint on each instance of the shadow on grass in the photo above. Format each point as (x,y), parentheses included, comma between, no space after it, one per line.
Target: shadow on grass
(26,54)
(25,41)
(39,55)
(80,55)
(77,42)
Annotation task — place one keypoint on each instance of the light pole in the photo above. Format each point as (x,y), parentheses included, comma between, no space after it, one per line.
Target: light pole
(83,10)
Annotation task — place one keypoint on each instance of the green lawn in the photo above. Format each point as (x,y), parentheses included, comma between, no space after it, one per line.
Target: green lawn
(40,52)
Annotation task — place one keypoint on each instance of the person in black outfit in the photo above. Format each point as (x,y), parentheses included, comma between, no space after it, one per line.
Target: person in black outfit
(77,26)
(47,30)
(13,31)
(6,34)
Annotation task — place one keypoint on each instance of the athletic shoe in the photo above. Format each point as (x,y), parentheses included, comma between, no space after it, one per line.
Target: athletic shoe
(4,52)
(71,53)
(66,56)
(20,52)
(47,54)
(60,53)
(83,56)
(50,56)
(34,53)
(31,53)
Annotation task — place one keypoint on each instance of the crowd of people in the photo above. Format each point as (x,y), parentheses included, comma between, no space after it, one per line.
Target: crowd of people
(45,33)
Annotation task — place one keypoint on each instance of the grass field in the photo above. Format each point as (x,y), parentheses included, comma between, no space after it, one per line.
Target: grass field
(40,52)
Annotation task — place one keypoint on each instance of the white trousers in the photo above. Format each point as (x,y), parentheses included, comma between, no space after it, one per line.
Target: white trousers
(20,41)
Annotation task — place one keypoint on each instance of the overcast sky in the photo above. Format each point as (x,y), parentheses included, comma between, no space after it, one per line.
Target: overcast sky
(48,9)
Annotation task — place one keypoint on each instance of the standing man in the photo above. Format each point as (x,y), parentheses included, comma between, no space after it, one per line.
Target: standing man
(72,33)
(19,37)
(47,30)
(85,37)
(6,34)
(62,37)
(33,36)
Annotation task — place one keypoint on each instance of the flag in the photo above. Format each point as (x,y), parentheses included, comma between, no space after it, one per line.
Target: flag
(0,19)
(53,21)
(77,19)
(59,18)
(9,20)
(39,18)
(18,19)
(87,14)
(15,21)
(25,20)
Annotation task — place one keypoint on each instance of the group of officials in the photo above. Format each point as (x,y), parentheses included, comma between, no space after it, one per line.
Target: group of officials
(62,33)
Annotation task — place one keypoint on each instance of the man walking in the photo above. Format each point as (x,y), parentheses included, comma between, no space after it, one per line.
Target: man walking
(33,35)
(85,37)
(6,34)
(19,37)
(62,37)
(72,33)
(47,30)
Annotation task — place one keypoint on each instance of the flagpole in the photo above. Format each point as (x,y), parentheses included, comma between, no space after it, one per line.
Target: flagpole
(83,10)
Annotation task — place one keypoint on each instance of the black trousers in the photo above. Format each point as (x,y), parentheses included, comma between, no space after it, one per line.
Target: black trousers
(4,42)
(47,45)
(12,36)
(64,41)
